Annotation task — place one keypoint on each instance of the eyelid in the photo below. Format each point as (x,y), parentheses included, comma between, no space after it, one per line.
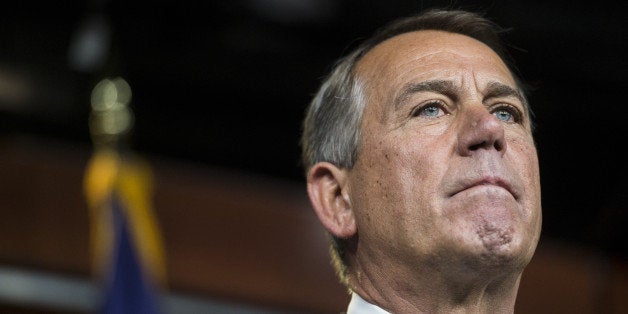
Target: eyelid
(431,102)
(516,111)
(507,100)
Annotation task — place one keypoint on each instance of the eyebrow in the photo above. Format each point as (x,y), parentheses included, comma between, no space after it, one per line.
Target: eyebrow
(449,89)
(444,87)
(496,89)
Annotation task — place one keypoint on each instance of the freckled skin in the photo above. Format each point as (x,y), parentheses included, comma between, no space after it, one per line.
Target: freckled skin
(419,221)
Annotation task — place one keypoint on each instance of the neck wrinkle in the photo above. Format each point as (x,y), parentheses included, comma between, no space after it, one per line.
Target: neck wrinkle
(432,292)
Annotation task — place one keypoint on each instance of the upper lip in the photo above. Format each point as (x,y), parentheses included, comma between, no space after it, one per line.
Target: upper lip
(488,180)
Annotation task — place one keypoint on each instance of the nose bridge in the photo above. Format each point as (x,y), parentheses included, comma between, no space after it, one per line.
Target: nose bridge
(480,129)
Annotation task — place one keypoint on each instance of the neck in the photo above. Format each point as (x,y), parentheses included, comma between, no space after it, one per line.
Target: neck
(431,291)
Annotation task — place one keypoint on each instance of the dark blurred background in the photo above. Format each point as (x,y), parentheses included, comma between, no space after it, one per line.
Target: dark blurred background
(224,84)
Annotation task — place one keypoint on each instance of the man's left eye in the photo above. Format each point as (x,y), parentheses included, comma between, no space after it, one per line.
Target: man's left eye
(431,111)
(507,115)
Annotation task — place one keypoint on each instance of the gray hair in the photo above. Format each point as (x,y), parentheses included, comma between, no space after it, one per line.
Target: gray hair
(331,128)
(332,124)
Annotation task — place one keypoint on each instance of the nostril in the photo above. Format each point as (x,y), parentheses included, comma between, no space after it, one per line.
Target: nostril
(498,145)
(477,146)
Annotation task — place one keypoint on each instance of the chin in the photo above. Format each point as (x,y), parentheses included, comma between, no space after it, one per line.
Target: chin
(504,247)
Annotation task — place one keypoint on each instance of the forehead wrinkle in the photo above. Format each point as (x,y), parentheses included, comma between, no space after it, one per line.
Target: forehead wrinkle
(417,54)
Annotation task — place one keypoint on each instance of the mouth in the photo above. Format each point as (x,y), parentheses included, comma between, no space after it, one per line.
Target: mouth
(491,181)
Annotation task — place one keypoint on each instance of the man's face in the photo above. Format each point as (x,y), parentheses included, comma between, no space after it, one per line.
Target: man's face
(447,169)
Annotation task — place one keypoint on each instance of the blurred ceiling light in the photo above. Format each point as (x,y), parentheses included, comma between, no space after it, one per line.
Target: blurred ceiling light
(111,118)
(89,46)
(295,11)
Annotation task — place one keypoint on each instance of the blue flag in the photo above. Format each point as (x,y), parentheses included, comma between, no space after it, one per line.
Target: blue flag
(126,245)
(127,290)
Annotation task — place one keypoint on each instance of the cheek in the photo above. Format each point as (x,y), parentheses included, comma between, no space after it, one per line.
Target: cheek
(525,161)
(377,179)
(399,181)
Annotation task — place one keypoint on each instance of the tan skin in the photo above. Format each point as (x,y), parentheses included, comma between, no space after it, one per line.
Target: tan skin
(445,193)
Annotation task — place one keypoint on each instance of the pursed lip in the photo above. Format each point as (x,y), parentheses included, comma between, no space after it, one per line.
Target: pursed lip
(489,180)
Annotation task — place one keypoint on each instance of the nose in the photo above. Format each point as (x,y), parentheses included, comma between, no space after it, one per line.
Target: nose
(480,130)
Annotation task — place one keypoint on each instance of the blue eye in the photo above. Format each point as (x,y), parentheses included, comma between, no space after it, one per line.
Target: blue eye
(508,114)
(503,115)
(430,110)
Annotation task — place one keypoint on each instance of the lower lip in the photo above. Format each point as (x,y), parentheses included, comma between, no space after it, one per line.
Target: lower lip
(483,200)
(489,189)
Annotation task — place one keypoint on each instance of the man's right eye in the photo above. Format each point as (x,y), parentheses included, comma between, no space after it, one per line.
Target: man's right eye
(431,109)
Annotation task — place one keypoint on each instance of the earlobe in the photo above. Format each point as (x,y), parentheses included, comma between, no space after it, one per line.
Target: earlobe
(327,189)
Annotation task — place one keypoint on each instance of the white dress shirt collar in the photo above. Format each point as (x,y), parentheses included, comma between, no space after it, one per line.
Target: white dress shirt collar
(357,305)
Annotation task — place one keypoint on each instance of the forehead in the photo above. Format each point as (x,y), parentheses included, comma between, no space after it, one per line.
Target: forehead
(428,53)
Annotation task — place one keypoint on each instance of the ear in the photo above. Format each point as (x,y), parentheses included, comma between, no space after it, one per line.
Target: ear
(328,192)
